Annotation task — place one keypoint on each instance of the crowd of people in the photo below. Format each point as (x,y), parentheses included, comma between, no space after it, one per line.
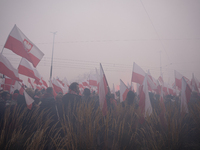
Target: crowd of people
(65,107)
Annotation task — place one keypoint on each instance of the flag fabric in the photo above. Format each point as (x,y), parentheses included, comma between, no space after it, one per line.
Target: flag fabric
(160,79)
(57,86)
(66,83)
(22,87)
(60,81)
(185,96)
(144,103)
(178,79)
(26,69)
(44,83)
(123,91)
(7,69)
(22,46)
(29,81)
(92,80)
(8,83)
(29,100)
(137,74)
(103,90)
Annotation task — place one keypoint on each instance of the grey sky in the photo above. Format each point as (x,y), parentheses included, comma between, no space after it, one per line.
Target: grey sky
(113,32)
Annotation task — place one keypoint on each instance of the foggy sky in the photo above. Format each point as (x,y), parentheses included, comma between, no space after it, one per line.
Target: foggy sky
(113,32)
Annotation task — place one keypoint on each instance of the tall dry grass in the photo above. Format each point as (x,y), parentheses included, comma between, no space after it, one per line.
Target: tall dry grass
(86,128)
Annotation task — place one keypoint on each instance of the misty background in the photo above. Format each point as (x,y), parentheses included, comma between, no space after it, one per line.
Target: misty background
(115,33)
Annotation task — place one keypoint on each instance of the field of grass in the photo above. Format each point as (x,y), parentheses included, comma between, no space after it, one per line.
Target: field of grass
(86,128)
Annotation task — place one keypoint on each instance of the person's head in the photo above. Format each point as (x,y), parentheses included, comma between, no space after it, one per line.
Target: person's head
(49,90)
(5,95)
(86,92)
(43,91)
(36,90)
(74,87)
(39,94)
(16,91)
(130,97)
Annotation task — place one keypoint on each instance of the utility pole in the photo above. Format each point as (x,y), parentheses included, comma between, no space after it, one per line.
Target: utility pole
(54,33)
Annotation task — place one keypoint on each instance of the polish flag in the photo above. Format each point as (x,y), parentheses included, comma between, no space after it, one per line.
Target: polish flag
(8,83)
(22,87)
(123,91)
(178,79)
(57,86)
(137,74)
(44,83)
(7,69)
(26,69)
(29,100)
(103,90)
(38,77)
(160,79)
(66,83)
(85,83)
(92,80)
(144,103)
(153,79)
(185,96)
(60,81)
(29,81)
(22,46)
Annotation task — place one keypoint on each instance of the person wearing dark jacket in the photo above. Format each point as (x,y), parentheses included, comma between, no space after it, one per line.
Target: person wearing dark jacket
(49,104)
(72,98)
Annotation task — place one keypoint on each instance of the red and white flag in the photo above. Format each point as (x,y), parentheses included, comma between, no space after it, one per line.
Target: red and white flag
(26,69)
(103,90)
(85,83)
(178,79)
(92,80)
(123,91)
(66,83)
(137,74)
(29,100)
(144,103)
(29,81)
(44,83)
(185,96)
(160,79)
(7,69)
(60,81)
(57,86)
(8,83)
(22,46)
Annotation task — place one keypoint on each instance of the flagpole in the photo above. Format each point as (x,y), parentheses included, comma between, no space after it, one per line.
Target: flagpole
(54,33)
